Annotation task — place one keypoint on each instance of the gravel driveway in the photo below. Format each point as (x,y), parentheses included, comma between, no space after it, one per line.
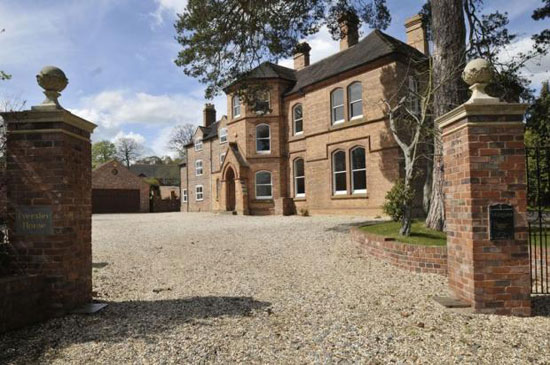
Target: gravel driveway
(188,288)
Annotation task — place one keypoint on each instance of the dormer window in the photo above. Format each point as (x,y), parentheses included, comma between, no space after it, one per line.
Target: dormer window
(198,144)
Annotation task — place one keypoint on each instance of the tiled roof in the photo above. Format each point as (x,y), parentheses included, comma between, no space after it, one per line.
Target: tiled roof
(157,171)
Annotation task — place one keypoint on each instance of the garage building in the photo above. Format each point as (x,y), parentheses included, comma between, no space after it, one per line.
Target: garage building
(115,189)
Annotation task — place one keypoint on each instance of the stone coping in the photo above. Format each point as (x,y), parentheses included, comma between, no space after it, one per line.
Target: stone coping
(416,258)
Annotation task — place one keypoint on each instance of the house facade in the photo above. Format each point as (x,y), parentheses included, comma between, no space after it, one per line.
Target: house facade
(316,138)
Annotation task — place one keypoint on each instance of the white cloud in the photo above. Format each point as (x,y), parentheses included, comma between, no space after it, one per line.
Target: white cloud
(135,136)
(167,8)
(322,46)
(536,70)
(120,112)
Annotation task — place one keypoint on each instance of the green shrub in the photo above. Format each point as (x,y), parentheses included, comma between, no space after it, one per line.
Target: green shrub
(397,199)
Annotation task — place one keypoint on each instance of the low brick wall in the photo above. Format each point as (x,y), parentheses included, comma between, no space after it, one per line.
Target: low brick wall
(424,259)
(22,301)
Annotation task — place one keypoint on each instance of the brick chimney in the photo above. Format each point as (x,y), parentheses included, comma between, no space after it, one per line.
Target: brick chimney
(301,55)
(349,30)
(208,115)
(416,34)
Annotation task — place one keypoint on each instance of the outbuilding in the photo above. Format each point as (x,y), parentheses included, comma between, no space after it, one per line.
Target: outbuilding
(115,189)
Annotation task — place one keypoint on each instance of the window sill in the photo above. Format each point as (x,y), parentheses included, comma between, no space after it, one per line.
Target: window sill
(263,152)
(300,199)
(264,201)
(348,123)
(349,196)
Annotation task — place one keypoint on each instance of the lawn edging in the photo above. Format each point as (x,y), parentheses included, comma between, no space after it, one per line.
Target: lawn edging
(416,258)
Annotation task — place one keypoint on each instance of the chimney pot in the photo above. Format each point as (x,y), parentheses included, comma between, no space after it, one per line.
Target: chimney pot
(416,34)
(208,115)
(301,55)
(349,30)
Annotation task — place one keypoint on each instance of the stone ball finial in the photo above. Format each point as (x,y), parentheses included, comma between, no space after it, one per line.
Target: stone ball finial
(478,71)
(478,74)
(53,80)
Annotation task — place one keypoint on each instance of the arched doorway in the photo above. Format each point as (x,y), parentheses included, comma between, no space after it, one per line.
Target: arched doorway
(230,190)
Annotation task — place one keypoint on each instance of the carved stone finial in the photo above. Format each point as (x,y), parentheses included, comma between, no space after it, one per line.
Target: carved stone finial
(478,73)
(53,80)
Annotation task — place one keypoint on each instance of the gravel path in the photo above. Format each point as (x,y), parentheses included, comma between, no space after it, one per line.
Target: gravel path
(188,288)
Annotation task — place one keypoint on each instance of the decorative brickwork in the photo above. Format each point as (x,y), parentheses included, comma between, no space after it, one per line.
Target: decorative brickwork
(49,169)
(416,258)
(484,160)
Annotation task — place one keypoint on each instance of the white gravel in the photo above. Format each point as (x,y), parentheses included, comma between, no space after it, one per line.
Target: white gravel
(188,288)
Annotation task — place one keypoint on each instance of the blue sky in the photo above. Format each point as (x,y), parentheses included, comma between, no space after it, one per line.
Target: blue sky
(118,56)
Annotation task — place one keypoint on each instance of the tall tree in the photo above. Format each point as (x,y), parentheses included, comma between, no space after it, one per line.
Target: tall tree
(181,135)
(538,119)
(102,152)
(224,39)
(449,42)
(127,150)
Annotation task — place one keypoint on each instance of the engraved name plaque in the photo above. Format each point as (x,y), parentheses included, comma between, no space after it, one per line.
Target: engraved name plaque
(33,220)
(501,222)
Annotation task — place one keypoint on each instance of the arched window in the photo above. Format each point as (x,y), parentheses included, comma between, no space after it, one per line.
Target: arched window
(263,138)
(355,100)
(339,173)
(264,188)
(358,171)
(236,102)
(298,119)
(337,106)
(299,178)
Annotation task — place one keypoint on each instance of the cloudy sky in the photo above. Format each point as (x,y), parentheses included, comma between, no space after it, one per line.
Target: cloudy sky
(119,58)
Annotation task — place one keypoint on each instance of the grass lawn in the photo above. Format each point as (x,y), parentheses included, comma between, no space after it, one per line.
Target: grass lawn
(420,235)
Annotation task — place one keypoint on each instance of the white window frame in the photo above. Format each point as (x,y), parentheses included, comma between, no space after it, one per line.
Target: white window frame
(197,193)
(184,195)
(333,107)
(223,135)
(353,190)
(236,108)
(334,173)
(296,178)
(222,157)
(256,185)
(351,102)
(268,100)
(198,144)
(263,138)
(294,120)
(198,167)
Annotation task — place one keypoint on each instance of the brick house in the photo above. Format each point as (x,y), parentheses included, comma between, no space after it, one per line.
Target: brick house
(323,145)
(115,189)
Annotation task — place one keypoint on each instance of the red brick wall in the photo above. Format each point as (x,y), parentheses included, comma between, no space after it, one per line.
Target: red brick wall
(484,160)
(103,178)
(22,301)
(416,258)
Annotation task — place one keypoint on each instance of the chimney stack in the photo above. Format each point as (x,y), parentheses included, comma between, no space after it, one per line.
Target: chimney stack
(349,30)
(208,115)
(416,34)
(301,55)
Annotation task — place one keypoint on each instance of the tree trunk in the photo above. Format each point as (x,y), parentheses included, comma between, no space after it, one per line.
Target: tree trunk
(405,229)
(449,38)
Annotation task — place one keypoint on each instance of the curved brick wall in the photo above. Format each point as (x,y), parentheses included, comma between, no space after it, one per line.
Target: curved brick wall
(425,259)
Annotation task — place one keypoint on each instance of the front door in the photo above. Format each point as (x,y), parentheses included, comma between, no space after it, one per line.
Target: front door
(230,190)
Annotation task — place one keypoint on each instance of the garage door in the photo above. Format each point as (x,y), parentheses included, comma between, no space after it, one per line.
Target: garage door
(115,201)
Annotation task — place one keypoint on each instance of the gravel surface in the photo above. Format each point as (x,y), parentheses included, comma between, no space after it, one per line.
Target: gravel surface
(188,288)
